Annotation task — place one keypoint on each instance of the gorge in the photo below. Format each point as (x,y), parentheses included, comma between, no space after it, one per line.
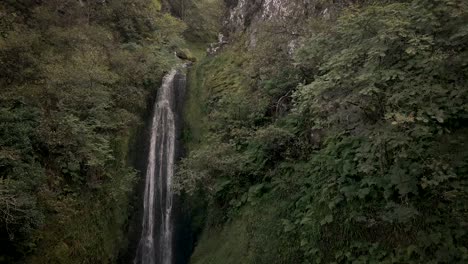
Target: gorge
(156,243)
(300,131)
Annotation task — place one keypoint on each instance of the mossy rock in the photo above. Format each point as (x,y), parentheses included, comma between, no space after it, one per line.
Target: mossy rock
(185,54)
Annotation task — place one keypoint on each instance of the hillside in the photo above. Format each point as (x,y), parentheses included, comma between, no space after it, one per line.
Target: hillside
(77,81)
(315,131)
(332,132)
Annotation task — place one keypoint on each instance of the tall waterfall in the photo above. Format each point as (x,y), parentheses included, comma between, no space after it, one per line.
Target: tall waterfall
(157,235)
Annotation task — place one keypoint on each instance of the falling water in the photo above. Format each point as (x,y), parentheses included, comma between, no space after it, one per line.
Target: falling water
(156,242)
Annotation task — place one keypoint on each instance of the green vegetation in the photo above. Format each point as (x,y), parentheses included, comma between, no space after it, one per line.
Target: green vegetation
(253,236)
(352,152)
(340,138)
(76,79)
(203,18)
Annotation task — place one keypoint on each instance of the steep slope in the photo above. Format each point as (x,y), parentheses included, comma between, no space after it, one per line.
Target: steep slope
(77,78)
(331,132)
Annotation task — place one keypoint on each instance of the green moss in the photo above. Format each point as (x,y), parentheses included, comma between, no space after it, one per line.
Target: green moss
(157,4)
(254,236)
(194,118)
(212,77)
(223,245)
(197,49)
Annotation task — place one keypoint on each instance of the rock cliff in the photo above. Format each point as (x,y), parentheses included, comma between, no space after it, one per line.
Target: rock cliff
(244,14)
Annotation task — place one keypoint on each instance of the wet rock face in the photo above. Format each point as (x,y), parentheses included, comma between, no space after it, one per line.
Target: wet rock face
(284,8)
(288,16)
(245,13)
(240,13)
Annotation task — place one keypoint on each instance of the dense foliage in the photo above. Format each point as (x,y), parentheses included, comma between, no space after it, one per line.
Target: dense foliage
(363,137)
(76,77)
(203,18)
(335,139)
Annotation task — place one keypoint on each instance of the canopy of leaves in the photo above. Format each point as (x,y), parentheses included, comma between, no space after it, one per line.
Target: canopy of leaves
(76,77)
(372,156)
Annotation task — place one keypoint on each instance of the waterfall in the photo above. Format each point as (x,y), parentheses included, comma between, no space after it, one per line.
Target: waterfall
(156,241)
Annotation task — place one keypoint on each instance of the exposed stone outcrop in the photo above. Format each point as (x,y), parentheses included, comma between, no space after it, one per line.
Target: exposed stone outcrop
(215,47)
(242,14)
(247,15)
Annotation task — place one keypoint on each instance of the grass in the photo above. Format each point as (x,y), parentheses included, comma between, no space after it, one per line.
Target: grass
(226,245)
(209,78)
(194,114)
(254,236)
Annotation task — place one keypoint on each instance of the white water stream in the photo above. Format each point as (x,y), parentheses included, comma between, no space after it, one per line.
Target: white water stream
(156,242)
